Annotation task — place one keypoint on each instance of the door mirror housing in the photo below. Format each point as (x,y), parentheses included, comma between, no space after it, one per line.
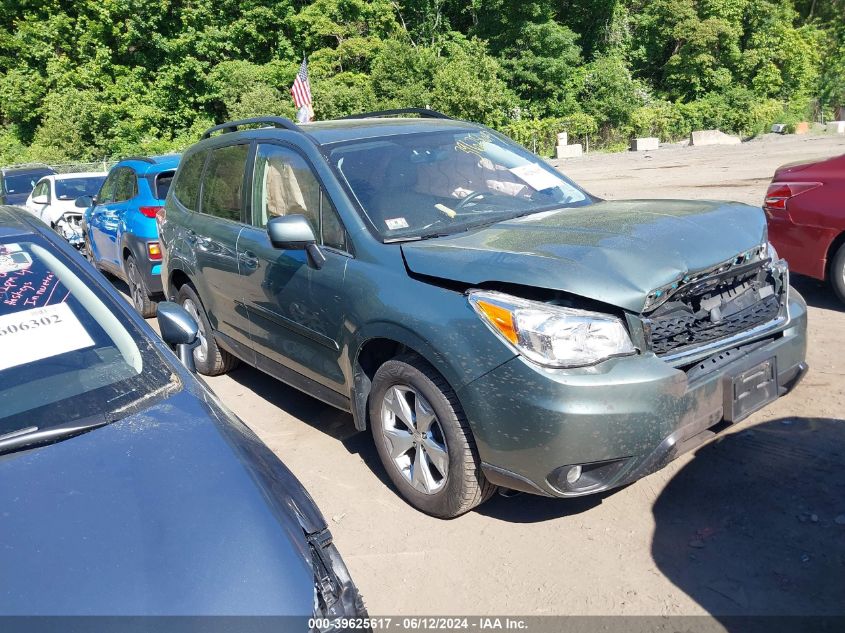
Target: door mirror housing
(293,232)
(83,202)
(290,232)
(42,199)
(178,328)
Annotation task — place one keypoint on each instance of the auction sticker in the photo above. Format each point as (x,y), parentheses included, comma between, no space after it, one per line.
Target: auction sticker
(536,177)
(40,333)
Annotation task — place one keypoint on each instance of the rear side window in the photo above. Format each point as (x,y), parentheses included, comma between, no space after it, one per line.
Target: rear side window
(125,186)
(187,186)
(223,182)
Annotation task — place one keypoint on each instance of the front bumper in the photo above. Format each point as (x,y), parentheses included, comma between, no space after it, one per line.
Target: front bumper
(620,420)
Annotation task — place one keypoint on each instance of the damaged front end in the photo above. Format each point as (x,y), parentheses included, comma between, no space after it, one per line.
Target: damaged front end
(69,226)
(735,301)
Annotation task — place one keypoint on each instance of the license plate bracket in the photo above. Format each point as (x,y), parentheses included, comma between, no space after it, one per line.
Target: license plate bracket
(750,390)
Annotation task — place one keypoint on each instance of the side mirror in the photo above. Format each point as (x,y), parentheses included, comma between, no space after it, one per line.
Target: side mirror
(294,232)
(84,202)
(42,199)
(179,329)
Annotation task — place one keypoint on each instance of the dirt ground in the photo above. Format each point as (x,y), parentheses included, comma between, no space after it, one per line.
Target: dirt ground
(753,523)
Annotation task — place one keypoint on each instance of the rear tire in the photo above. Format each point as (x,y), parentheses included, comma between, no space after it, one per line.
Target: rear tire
(439,471)
(145,306)
(209,358)
(837,273)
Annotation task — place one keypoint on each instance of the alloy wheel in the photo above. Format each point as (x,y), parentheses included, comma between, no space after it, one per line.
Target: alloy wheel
(415,438)
(201,350)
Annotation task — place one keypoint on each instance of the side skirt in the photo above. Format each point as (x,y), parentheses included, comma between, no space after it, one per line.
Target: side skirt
(285,374)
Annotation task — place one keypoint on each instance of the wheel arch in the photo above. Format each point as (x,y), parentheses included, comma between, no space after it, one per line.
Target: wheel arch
(177,277)
(834,247)
(379,345)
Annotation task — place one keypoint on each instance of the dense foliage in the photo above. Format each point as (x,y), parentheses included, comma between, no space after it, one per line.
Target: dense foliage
(102,78)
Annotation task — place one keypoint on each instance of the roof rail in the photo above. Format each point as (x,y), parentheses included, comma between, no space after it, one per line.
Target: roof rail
(424,113)
(272,121)
(24,166)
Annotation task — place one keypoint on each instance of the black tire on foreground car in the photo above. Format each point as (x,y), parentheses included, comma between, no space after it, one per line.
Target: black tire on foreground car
(209,359)
(837,273)
(424,440)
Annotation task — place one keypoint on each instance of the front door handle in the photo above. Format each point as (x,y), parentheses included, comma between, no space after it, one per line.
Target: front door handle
(248,259)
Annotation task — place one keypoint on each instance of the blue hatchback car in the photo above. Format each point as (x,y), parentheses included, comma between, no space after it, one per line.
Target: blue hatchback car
(119,225)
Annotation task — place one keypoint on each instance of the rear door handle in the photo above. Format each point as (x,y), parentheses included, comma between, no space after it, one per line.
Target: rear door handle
(191,236)
(248,259)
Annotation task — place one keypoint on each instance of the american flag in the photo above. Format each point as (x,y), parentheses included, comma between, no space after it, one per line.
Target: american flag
(301,88)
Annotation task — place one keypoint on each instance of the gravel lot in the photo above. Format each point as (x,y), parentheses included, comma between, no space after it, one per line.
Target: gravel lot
(752,523)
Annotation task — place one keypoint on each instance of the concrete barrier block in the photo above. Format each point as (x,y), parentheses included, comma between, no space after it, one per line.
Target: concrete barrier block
(712,137)
(779,128)
(563,138)
(569,151)
(645,144)
(836,127)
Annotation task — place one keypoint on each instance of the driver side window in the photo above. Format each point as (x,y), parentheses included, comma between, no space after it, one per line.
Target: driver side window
(284,184)
(42,190)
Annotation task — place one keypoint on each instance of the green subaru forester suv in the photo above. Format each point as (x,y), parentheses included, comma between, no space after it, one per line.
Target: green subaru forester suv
(492,323)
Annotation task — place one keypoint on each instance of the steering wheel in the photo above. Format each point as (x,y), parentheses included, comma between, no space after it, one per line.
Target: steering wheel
(469,198)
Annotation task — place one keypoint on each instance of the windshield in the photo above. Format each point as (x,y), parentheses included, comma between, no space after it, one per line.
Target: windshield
(73,188)
(24,183)
(67,352)
(419,185)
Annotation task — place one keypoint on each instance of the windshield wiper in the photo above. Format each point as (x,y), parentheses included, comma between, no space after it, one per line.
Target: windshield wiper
(26,438)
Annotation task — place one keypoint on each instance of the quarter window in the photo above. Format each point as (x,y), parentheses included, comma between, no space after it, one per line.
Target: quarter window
(223,182)
(284,184)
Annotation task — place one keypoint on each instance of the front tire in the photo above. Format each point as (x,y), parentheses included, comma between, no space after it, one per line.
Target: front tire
(209,358)
(837,273)
(424,440)
(145,306)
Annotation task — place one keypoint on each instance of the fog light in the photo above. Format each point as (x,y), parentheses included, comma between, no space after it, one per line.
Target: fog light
(573,475)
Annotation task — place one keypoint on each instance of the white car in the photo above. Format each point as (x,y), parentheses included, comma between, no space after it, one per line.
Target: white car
(53,201)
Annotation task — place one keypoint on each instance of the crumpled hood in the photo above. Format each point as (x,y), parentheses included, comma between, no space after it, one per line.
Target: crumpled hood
(165,512)
(614,252)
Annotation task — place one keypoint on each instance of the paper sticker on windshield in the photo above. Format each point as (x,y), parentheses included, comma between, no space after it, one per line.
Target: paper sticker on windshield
(13,259)
(396,223)
(536,177)
(40,333)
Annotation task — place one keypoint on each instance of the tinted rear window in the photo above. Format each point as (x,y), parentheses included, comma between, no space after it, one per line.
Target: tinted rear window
(24,182)
(161,184)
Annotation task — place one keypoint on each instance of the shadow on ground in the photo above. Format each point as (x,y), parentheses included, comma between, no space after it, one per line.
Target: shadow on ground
(817,293)
(755,523)
(319,415)
(339,425)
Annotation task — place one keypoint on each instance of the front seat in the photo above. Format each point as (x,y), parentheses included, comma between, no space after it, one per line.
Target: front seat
(398,199)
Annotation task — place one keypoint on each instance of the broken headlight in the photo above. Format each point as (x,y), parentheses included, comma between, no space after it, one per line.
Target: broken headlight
(551,335)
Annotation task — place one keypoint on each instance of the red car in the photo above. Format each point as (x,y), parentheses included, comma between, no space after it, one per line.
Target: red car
(805,207)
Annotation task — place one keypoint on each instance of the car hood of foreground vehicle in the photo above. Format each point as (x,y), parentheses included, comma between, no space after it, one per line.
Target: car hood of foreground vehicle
(177,510)
(614,252)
